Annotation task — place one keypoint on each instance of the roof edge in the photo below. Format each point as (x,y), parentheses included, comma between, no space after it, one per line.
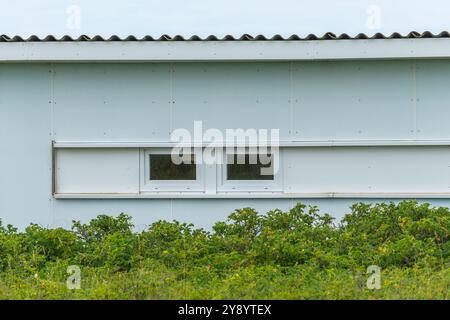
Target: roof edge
(244,37)
(168,51)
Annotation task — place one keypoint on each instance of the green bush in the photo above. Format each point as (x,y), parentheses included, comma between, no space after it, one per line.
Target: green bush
(401,234)
(249,255)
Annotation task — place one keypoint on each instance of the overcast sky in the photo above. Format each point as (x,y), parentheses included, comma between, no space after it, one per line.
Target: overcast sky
(220,17)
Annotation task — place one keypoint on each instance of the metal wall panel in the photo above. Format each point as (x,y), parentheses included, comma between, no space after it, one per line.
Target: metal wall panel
(353,100)
(112,102)
(143,211)
(368,169)
(25,147)
(237,95)
(433,99)
(201,212)
(97,171)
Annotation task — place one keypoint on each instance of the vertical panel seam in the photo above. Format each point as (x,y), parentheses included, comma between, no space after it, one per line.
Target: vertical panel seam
(171,102)
(52,139)
(52,104)
(291,124)
(291,107)
(414,76)
(141,171)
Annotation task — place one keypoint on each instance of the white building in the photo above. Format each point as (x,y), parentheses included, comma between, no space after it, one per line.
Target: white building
(82,120)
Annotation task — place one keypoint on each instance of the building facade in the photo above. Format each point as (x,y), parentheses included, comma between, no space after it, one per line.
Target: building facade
(86,125)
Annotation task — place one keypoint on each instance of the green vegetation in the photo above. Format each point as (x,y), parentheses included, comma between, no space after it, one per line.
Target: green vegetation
(299,254)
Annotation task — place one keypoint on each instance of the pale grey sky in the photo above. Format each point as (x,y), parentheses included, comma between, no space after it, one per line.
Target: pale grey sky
(220,17)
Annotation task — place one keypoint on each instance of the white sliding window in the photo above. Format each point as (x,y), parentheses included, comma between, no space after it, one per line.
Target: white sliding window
(245,169)
(159,173)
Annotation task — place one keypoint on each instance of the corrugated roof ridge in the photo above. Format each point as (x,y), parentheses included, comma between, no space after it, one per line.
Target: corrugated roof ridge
(244,37)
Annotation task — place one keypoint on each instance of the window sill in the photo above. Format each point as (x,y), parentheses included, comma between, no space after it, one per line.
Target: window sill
(249,195)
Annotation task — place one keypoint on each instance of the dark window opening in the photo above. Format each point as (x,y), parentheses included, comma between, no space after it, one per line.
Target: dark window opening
(243,167)
(163,168)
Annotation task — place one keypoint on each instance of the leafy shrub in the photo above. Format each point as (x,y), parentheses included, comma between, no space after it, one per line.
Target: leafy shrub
(396,234)
(277,248)
(106,241)
(102,226)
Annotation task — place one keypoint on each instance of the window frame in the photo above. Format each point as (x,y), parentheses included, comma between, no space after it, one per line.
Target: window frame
(224,185)
(147,185)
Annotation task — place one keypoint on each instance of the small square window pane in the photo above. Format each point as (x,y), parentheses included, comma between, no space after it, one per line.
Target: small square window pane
(163,168)
(243,167)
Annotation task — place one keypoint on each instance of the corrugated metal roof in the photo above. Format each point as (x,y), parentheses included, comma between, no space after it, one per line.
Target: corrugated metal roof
(244,37)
